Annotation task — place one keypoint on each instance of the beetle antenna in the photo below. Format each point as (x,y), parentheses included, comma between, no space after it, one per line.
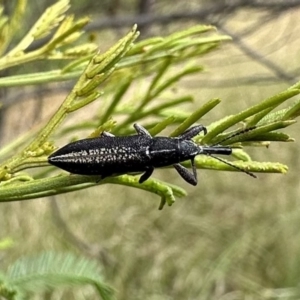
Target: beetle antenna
(233,166)
(235,134)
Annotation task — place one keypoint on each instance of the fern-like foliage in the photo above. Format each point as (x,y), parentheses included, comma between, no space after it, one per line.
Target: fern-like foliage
(107,77)
(49,271)
(66,31)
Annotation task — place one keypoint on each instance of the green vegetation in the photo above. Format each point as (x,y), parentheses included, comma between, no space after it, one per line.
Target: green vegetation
(30,275)
(216,233)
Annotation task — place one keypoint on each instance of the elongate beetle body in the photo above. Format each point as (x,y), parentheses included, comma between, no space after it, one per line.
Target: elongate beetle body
(110,155)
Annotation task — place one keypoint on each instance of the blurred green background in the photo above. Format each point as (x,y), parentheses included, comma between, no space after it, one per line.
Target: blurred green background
(232,237)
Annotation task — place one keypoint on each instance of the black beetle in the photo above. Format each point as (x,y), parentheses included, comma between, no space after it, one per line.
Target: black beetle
(110,155)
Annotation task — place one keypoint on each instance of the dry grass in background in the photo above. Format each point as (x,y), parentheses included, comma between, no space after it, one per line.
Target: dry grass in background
(238,241)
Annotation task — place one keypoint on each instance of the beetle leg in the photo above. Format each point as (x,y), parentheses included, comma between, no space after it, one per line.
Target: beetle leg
(146,175)
(188,176)
(141,130)
(101,177)
(105,133)
(193,131)
(194,168)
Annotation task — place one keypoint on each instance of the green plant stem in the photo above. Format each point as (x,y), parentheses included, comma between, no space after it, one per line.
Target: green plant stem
(66,183)
(72,102)
(195,116)
(232,120)
(206,162)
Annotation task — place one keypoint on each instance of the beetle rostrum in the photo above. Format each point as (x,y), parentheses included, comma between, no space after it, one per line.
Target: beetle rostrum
(109,155)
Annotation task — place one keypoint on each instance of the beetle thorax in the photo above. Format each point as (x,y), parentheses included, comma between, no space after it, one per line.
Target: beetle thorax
(188,149)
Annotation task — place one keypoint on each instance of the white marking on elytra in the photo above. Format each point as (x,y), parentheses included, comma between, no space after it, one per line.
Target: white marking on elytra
(147,152)
(162,151)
